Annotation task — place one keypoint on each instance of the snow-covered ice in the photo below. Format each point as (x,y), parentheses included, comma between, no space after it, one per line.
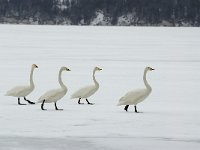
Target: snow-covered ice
(170,118)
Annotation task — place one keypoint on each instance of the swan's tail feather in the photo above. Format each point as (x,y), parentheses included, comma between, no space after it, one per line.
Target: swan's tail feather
(40,100)
(121,101)
(119,104)
(74,96)
(8,94)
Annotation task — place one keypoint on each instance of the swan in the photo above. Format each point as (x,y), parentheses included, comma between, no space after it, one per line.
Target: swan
(87,91)
(55,94)
(23,91)
(137,96)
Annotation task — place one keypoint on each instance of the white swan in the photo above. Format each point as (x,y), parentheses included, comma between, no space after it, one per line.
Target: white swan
(23,91)
(55,94)
(137,96)
(87,91)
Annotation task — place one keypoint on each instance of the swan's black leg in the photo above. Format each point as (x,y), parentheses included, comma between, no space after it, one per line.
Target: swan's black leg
(19,102)
(42,105)
(136,109)
(89,102)
(79,101)
(126,107)
(28,101)
(57,107)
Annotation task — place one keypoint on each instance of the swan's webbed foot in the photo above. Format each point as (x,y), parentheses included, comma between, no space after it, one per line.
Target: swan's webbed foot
(42,105)
(89,102)
(126,107)
(19,102)
(79,101)
(28,101)
(57,107)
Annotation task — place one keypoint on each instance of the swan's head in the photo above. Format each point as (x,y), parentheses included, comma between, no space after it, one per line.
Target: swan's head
(65,68)
(97,69)
(34,66)
(149,69)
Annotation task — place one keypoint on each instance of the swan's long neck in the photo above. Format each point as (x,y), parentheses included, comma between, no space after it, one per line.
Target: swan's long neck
(31,78)
(145,81)
(60,80)
(94,79)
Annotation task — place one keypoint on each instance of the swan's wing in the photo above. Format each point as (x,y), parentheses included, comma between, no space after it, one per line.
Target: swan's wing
(18,91)
(132,97)
(84,92)
(51,95)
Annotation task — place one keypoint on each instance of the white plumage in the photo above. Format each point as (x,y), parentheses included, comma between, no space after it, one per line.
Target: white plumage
(23,91)
(19,91)
(55,94)
(136,96)
(52,95)
(87,91)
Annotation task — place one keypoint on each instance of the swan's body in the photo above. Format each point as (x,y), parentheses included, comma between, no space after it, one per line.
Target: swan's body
(87,91)
(23,91)
(136,96)
(55,94)
(20,91)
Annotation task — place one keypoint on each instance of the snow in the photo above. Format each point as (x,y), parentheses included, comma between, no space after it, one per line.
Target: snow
(170,115)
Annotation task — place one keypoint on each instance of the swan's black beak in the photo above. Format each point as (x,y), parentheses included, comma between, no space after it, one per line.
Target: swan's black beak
(36,66)
(100,69)
(68,69)
(152,69)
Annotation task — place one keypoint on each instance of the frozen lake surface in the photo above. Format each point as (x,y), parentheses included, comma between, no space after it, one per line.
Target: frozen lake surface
(170,115)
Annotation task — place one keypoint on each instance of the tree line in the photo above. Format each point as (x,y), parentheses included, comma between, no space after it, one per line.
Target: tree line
(144,12)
